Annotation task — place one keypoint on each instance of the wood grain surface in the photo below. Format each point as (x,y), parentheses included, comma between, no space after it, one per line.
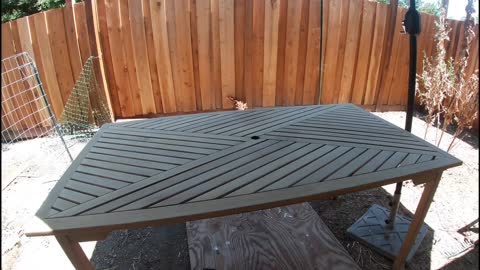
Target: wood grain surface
(291,237)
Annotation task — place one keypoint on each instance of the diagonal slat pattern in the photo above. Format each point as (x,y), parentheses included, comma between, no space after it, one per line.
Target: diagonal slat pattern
(195,163)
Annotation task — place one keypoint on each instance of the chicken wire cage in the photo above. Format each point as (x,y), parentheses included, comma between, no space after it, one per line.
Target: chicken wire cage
(32,138)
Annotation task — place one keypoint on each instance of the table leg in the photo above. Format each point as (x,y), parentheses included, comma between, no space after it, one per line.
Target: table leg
(417,222)
(75,253)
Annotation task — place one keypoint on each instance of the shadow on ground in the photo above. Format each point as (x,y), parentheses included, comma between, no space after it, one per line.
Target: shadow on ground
(166,247)
(163,247)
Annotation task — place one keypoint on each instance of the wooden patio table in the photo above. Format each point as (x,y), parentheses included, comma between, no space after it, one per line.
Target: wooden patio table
(182,168)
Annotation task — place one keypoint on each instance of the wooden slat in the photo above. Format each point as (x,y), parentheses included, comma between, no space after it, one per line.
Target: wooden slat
(152,146)
(375,56)
(131,161)
(154,75)
(72,42)
(98,181)
(183,66)
(168,156)
(332,45)
(160,180)
(205,64)
(27,107)
(175,141)
(192,10)
(280,97)
(75,196)
(120,167)
(342,42)
(248,54)
(363,59)
(127,42)
(242,159)
(260,158)
(90,189)
(351,51)
(227,50)
(126,177)
(174,135)
(59,50)
(140,55)
(312,68)
(270,240)
(322,158)
(272,13)
(302,52)
(258,32)
(119,61)
(294,19)
(62,204)
(162,55)
(239,10)
(258,174)
(53,90)
(81,31)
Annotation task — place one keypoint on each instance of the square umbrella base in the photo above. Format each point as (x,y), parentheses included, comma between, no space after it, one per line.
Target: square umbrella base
(372,231)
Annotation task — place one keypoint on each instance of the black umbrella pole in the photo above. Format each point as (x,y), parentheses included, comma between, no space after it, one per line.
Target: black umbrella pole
(408,122)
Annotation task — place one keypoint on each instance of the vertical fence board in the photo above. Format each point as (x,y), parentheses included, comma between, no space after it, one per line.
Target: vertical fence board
(216,54)
(280,97)
(341,49)
(375,55)
(239,10)
(332,45)
(258,40)
(194,40)
(162,54)
(25,44)
(127,42)
(312,63)
(363,59)
(399,86)
(157,95)
(248,54)
(71,36)
(82,32)
(294,12)
(185,88)
(60,55)
(205,65)
(272,13)
(227,50)
(53,90)
(302,53)
(140,57)
(105,60)
(351,50)
(118,60)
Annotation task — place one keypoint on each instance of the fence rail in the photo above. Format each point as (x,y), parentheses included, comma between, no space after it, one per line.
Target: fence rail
(166,56)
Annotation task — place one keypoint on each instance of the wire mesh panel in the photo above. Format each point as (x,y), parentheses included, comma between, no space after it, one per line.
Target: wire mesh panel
(86,108)
(31,138)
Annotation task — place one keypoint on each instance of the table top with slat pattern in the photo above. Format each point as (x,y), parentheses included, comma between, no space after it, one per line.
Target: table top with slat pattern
(188,167)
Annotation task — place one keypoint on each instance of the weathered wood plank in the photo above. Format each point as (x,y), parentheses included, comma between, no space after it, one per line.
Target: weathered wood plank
(312,68)
(272,13)
(227,50)
(291,237)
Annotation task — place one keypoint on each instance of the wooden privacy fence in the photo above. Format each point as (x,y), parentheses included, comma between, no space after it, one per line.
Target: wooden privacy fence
(166,56)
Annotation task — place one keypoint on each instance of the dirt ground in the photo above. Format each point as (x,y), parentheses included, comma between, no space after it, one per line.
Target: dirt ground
(24,187)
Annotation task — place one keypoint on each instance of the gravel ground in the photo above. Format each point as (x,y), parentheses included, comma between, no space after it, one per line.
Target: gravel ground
(455,205)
